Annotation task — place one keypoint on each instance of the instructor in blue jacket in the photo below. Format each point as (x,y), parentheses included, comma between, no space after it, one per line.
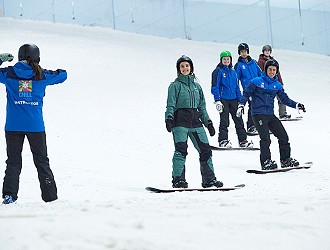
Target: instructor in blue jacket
(25,84)
(263,90)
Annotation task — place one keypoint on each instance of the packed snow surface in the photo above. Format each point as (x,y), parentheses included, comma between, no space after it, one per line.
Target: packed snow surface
(107,141)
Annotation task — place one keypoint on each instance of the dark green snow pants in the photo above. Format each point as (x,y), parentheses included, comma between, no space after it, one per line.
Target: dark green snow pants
(201,143)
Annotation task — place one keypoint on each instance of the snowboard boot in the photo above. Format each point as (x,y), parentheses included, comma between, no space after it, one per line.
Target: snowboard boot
(285,116)
(269,165)
(8,199)
(252,130)
(225,144)
(246,144)
(213,183)
(288,163)
(179,184)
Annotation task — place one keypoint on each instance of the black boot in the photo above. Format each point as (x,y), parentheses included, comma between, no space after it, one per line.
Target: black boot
(269,165)
(179,183)
(213,183)
(290,162)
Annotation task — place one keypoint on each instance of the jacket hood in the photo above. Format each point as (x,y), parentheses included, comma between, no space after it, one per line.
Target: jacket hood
(241,59)
(226,67)
(23,70)
(221,66)
(262,56)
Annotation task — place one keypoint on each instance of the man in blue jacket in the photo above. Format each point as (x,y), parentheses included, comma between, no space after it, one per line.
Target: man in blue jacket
(246,69)
(25,84)
(263,90)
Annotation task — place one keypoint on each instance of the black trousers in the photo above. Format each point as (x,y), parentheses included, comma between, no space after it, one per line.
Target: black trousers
(266,123)
(230,107)
(37,141)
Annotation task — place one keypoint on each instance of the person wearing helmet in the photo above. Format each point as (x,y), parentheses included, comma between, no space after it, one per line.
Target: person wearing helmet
(184,117)
(227,94)
(247,69)
(25,83)
(263,91)
(266,51)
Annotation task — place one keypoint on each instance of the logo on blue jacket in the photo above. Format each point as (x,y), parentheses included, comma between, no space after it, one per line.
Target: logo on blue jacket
(25,88)
(262,85)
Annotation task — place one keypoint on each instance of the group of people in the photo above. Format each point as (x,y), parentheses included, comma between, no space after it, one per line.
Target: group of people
(185,114)
(186,111)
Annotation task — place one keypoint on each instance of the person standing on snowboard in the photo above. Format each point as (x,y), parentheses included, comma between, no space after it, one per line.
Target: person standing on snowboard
(263,90)
(246,69)
(227,94)
(25,84)
(184,117)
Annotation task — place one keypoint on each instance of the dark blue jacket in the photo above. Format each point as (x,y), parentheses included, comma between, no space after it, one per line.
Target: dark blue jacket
(246,71)
(226,87)
(25,96)
(263,90)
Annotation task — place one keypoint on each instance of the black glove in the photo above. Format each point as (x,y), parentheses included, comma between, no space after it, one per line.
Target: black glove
(211,129)
(169,124)
(301,106)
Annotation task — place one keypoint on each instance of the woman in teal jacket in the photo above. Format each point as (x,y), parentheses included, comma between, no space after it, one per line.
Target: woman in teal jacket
(25,84)
(185,116)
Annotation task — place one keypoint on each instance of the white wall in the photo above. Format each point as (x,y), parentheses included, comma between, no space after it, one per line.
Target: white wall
(197,20)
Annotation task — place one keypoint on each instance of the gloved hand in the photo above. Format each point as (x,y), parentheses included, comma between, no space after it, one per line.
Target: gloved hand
(300,106)
(218,106)
(211,129)
(6,57)
(169,123)
(240,110)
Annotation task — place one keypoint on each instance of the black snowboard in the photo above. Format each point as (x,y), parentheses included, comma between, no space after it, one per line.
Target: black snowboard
(238,148)
(253,134)
(172,190)
(301,166)
(298,118)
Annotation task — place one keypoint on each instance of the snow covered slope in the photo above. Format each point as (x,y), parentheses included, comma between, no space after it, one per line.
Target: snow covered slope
(107,141)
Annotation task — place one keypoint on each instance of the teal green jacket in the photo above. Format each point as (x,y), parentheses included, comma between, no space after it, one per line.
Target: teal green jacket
(186,103)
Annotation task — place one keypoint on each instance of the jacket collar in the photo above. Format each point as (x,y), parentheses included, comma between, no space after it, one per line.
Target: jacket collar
(186,79)
(268,79)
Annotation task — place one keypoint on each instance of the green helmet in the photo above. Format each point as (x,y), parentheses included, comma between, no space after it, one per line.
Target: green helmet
(225,53)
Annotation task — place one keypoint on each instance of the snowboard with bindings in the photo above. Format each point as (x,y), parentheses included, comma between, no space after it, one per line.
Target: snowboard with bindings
(172,190)
(256,133)
(298,118)
(232,148)
(305,165)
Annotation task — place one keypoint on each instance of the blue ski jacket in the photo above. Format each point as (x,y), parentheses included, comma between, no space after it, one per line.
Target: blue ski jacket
(263,90)
(247,70)
(226,87)
(25,96)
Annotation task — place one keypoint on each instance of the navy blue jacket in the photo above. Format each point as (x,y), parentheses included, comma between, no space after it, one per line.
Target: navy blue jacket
(226,86)
(246,71)
(263,90)
(25,96)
